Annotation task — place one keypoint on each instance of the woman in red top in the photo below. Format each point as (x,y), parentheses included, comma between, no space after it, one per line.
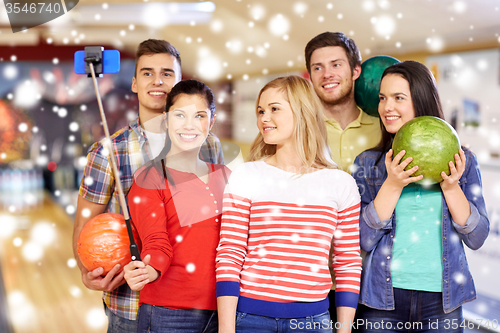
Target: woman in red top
(176,205)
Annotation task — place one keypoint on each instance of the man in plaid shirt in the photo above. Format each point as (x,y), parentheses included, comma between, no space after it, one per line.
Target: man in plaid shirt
(158,69)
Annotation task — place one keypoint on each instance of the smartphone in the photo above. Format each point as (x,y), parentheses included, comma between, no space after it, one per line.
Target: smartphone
(110,62)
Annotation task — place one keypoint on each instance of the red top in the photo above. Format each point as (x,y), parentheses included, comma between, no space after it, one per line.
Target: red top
(179,227)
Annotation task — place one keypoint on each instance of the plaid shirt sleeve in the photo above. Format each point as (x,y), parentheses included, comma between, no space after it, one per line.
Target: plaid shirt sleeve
(97,182)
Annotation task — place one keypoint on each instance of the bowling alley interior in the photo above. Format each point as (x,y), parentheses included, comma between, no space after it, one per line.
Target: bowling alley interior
(50,117)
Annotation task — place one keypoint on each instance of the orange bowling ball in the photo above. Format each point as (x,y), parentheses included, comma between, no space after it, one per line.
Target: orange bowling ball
(104,242)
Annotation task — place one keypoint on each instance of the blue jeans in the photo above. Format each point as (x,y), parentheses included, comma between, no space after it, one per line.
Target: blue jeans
(156,319)
(249,323)
(117,324)
(416,311)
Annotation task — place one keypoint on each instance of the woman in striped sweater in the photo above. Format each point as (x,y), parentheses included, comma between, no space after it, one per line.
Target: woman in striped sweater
(282,212)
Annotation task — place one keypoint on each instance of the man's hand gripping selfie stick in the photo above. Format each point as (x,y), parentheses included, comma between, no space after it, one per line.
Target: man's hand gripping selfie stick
(134,251)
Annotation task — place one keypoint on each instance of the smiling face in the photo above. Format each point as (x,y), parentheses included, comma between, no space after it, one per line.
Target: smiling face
(331,75)
(188,122)
(154,78)
(395,106)
(275,118)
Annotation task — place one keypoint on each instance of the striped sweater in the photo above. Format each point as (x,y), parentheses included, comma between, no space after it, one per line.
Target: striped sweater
(276,233)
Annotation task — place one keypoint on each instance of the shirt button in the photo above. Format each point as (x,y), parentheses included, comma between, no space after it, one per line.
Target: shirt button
(216,220)
(216,210)
(444,259)
(215,201)
(388,257)
(388,279)
(392,236)
(211,194)
(207,187)
(445,281)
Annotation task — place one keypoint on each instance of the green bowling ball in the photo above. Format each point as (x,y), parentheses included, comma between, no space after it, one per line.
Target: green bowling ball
(432,143)
(367,85)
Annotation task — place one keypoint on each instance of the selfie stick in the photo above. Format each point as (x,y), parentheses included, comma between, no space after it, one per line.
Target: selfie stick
(134,250)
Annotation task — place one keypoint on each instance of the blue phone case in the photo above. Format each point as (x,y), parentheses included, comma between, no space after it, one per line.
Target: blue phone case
(110,62)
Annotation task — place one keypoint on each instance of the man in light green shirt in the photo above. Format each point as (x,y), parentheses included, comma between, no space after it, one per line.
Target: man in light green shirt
(334,63)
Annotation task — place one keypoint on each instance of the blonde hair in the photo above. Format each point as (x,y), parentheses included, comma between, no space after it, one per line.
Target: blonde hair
(309,125)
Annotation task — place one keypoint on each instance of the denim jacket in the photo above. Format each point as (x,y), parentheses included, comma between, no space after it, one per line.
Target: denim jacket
(376,237)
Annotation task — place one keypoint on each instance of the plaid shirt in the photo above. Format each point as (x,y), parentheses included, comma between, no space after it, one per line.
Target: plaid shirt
(98,184)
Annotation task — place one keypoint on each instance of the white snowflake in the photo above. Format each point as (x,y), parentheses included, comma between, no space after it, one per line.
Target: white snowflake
(384,25)
(300,8)
(43,233)
(295,238)
(96,318)
(10,72)
(88,180)
(386,250)
(476,190)
(17,242)
(70,209)
(32,251)
(279,25)
(75,291)
(190,268)
(205,210)
(73,126)
(338,234)
(71,263)
(257,12)
(459,277)
(315,268)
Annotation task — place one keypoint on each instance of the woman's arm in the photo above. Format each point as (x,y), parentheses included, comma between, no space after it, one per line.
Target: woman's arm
(231,254)
(346,255)
(232,249)
(376,213)
(226,309)
(148,199)
(139,273)
(397,178)
(345,317)
(371,229)
(467,208)
(458,205)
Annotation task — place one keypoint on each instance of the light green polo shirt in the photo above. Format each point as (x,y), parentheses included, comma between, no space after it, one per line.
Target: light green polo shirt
(418,249)
(361,134)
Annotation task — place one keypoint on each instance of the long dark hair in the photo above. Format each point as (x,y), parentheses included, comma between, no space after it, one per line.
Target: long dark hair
(424,95)
(186,87)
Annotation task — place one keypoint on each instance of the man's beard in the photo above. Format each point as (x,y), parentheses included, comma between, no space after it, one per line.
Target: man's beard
(342,99)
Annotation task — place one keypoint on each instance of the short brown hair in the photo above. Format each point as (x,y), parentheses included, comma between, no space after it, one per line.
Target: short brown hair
(155,46)
(333,39)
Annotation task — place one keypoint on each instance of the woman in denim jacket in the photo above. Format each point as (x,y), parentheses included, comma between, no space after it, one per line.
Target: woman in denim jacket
(415,274)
